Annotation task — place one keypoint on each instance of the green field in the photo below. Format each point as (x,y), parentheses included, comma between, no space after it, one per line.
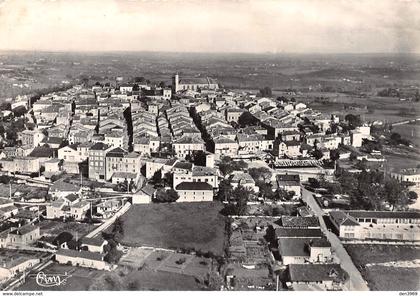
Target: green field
(199,226)
(369,259)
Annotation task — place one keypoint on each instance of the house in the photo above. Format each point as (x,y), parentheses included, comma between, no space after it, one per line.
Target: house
(288,148)
(411,175)
(194,174)
(239,178)
(24,235)
(187,145)
(233,114)
(324,276)
(97,168)
(79,210)
(196,83)
(118,160)
(32,138)
(74,152)
(290,183)
(11,267)
(108,208)
(144,195)
(304,250)
(194,191)
(82,258)
(95,244)
(62,189)
(21,164)
(146,145)
(377,225)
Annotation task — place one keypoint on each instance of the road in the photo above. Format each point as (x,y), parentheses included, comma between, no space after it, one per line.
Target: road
(356,283)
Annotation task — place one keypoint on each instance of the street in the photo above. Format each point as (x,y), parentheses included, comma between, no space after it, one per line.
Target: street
(357,283)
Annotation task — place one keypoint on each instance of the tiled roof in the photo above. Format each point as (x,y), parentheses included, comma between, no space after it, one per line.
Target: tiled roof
(194,186)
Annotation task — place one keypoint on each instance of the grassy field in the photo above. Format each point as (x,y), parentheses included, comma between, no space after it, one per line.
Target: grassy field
(80,278)
(369,260)
(123,279)
(178,225)
(410,132)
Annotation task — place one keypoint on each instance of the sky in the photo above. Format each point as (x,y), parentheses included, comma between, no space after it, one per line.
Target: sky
(249,26)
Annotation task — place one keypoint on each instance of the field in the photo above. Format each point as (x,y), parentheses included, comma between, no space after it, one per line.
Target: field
(180,225)
(80,279)
(123,279)
(409,131)
(387,267)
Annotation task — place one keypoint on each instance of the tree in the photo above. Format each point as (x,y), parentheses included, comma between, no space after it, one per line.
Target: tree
(246,119)
(353,120)
(198,157)
(334,155)
(241,196)
(139,79)
(282,194)
(266,190)
(169,179)
(225,190)
(412,195)
(266,92)
(157,177)
(317,154)
(169,195)
(227,165)
(396,194)
(261,174)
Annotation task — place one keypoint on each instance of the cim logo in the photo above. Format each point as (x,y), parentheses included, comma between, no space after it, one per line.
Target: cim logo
(51,280)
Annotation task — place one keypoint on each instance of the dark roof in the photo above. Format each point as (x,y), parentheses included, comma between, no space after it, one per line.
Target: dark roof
(116,152)
(304,222)
(343,219)
(294,246)
(384,214)
(24,229)
(42,151)
(71,197)
(315,272)
(194,186)
(54,140)
(80,254)
(183,165)
(320,243)
(298,232)
(99,146)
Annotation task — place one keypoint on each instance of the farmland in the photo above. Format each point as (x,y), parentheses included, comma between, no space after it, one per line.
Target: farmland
(199,226)
(387,267)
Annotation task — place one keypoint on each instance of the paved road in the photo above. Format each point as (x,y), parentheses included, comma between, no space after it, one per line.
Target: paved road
(357,283)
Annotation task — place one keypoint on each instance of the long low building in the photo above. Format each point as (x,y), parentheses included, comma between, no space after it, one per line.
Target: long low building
(81,258)
(377,225)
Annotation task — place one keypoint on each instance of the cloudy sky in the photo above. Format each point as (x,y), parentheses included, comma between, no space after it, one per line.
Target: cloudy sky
(211,26)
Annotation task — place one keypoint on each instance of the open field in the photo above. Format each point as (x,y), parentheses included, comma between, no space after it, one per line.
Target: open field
(369,259)
(54,228)
(122,279)
(409,131)
(179,225)
(80,279)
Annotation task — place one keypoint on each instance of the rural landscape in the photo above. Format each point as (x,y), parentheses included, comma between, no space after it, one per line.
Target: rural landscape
(226,146)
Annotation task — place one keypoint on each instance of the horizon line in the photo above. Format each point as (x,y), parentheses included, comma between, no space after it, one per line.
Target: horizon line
(203,52)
